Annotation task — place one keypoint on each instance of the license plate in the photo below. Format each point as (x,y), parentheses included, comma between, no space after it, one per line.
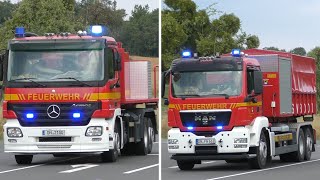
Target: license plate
(53,132)
(207,141)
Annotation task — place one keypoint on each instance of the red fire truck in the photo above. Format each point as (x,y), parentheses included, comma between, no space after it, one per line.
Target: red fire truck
(79,93)
(241,107)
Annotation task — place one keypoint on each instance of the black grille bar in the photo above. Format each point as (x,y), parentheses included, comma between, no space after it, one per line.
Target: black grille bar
(54,139)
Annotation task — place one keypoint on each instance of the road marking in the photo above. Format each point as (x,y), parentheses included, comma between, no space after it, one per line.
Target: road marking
(267,169)
(153,154)
(28,167)
(79,167)
(140,169)
(205,162)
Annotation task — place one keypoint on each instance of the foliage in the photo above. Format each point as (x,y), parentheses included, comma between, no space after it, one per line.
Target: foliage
(315,53)
(186,27)
(6,8)
(299,51)
(272,48)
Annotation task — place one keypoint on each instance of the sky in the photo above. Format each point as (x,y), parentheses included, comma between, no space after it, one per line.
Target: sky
(285,24)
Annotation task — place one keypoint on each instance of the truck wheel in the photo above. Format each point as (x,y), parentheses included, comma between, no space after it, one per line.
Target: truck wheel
(23,159)
(151,135)
(260,161)
(309,144)
(300,154)
(144,144)
(185,165)
(112,154)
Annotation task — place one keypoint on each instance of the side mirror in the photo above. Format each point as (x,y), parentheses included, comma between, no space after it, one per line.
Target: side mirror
(258,82)
(163,83)
(117,62)
(166,102)
(2,57)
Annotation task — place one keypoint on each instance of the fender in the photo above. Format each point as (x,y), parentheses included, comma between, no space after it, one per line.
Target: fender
(111,122)
(255,129)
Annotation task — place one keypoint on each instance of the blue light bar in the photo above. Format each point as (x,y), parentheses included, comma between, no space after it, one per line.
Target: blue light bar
(19,33)
(97,30)
(190,128)
(219,127)
(236,53)
(30,115)
(76,115)
(186,54)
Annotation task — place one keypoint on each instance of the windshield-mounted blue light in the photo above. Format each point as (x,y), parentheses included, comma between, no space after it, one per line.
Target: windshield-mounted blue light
(29,115)
(190,128)
(19,33)
(186,54)
(97,30)
(219,127)
(76,115)
(236,53)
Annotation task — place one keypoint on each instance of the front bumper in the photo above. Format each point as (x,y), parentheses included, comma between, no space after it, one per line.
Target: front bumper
(186,142)
(29,143)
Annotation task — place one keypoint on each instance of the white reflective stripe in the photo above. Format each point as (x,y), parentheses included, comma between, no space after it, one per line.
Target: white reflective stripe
(206,110)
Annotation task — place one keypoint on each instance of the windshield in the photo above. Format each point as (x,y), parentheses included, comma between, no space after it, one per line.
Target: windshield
(218,83)
(57,65)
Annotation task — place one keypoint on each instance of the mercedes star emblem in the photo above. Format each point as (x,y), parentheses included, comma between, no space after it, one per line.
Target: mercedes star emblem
(53,111)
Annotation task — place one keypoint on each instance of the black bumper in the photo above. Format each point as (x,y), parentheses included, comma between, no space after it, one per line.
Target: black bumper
(195,157)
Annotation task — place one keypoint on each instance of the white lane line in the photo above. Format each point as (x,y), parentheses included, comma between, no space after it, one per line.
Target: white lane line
(140,169)
(205,162)
(79,167)
(153,154)
(267,169)
(28,167)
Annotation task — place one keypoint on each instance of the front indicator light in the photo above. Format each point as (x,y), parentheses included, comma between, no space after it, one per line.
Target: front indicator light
(173,141)
(240,140)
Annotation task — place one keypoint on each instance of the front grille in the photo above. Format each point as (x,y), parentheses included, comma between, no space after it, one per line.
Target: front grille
(54,139)
(54,146)
(41,117)
(205,119)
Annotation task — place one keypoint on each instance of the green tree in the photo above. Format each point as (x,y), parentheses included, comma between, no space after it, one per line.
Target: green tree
(299,51)
(38,16)
(6,9)
(272,48)
(315,53)
(252,42)
(140,34)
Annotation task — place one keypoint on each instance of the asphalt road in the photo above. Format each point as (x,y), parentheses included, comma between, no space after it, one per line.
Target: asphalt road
(213,170)
(86,167)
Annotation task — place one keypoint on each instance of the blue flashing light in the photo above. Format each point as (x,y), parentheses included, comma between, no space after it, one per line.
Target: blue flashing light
(76,115)
(190,128)
(97,30)
(29,115)
(186,54)
(19,33)
(219,127)
(236,53)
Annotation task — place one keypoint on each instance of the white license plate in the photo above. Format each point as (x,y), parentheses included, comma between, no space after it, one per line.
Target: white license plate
(53,132)
(206,141)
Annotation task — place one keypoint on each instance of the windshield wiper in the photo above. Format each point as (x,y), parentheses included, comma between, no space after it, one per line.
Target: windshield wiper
(183,97)
(74,79)
(31,80)
(213,94)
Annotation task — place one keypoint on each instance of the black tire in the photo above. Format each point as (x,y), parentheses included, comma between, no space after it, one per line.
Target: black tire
(185,165)
(128,149)
(299,155)
(150,135)
(309,144)
(142,147)
(23,159)
(261,159)
(113,154)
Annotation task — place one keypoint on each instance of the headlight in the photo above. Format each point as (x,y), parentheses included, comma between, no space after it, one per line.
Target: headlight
(14,132)
(240,140)
(173,141)
(94,131)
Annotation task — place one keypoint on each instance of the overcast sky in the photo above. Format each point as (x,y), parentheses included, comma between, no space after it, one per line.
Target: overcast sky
(282,23)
